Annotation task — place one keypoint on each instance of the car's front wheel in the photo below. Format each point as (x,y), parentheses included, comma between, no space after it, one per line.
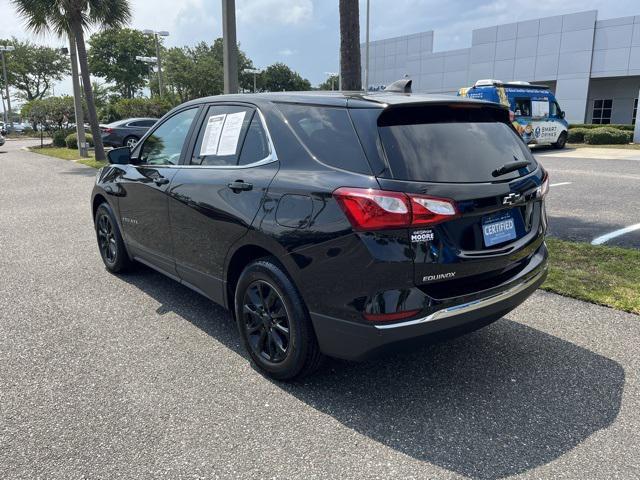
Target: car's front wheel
(561,142)
(110,242)
(274,323)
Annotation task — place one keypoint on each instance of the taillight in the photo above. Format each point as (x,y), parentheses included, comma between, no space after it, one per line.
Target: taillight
(544,188)
(369,209)
(107,130)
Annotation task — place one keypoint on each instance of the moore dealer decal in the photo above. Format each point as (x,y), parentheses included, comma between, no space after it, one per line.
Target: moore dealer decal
(422,236)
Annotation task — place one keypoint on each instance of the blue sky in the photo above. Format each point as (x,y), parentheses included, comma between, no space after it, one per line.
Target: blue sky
(304,33)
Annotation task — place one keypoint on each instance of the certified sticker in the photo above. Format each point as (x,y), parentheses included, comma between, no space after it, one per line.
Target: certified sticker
(420,236)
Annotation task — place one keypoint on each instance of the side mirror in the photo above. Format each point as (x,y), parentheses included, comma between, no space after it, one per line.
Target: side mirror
(561,113)
(119,156)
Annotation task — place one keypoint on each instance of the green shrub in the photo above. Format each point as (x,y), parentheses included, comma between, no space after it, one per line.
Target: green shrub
(576,135)
(59,138)
(595,125)
(606,136)
(72,140)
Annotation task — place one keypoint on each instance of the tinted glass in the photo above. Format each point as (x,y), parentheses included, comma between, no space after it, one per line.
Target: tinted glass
(142,123)
(255,146)
(221,135)
(328,135)
(522,107)
(164,145)
(463,152)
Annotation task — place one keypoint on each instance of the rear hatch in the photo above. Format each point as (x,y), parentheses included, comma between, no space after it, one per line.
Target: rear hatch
(464,161)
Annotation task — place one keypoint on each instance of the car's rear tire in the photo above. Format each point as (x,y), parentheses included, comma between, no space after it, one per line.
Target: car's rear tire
(110,243)
(562,141)
(130,141)
(274,323)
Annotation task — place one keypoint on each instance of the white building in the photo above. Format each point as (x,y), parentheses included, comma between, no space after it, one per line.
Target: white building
(592,66)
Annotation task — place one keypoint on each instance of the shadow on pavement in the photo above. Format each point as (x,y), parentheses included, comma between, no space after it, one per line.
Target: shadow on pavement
(497,402)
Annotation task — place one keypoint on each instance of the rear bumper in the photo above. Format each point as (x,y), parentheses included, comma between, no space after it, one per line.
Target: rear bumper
(111,140)
(358,341)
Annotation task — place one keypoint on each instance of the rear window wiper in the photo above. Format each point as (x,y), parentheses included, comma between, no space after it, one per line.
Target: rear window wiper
(509,167)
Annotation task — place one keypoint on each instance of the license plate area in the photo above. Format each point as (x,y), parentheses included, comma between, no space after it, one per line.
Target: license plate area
(498,228)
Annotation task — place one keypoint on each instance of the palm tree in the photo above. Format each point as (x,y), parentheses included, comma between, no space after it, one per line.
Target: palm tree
(350,68)
(72,17)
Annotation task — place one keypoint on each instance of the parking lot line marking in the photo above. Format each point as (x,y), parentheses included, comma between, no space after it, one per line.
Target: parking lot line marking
(605,238)
(559,184)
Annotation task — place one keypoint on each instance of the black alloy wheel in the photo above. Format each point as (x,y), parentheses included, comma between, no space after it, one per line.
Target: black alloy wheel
(110,243)
(266,322)
(107,240)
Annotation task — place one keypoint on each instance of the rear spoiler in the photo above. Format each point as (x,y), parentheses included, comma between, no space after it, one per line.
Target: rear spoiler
(443,112)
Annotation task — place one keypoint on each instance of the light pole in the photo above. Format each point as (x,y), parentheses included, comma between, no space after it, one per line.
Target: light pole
(149,61)
(332,76)
(77,97)
(366,54)
(229,46)
(255,72)
(3,49)
(155,34)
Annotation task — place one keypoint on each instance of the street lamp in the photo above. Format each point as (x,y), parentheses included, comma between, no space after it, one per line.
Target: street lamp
(149,61)
(255,72)
(3,49)
(161,33)
(332,76)
(366,53)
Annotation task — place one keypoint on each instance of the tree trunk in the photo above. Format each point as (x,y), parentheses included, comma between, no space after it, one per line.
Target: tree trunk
(88,91)
(77,98)
(350,68)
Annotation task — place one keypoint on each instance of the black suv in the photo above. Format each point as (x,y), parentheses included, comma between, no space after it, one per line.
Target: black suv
(335,224)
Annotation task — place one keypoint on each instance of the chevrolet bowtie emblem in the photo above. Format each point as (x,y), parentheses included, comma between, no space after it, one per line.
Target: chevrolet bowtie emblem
(511,199)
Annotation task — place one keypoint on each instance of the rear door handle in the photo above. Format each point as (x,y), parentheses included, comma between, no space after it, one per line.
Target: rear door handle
(239,185)
(161,181)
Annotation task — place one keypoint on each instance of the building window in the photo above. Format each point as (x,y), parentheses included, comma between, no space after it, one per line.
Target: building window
(602,111)
(635,110)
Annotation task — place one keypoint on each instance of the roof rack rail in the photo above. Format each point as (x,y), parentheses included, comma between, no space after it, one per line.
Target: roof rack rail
(399,86)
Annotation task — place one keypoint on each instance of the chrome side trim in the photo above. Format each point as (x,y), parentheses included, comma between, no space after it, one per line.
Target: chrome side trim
(469,306)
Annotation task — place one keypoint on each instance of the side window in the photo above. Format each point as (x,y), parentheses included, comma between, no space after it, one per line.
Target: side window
(221,135)
(554,110)
(164,145)
(328,134)
(522,107)
(256,145)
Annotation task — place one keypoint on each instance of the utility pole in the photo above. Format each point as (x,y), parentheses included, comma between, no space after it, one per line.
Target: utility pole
(3,49)
(77,99)
(149,61)
(255,72)
(230,46)
(366,54)
(155,34)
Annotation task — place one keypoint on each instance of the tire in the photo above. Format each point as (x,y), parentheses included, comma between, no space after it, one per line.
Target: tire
(267,304)
(130,141)
(110,243)
(562,141)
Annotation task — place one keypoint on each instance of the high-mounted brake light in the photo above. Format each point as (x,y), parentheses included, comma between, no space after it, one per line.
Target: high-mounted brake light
(369,209)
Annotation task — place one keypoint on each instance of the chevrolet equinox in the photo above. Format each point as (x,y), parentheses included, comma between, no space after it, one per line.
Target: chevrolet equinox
(339,224)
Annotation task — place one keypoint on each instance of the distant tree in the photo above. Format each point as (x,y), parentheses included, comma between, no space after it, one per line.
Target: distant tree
(71,18)
(330,83)
(112,56)
(32,69)
(350,66)
(279,77)
(54,112)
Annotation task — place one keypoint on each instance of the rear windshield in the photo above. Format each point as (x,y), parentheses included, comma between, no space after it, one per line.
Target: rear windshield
(456,151)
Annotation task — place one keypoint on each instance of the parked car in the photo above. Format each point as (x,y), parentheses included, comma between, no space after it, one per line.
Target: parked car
(1,140)
(125,132)
(3,130)
(536,114)
(337,224)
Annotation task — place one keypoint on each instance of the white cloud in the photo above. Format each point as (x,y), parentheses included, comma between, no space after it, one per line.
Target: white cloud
(287,52)
(283,12)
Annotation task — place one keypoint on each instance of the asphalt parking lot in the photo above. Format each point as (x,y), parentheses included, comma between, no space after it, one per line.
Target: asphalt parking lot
(591,197)
(135,376)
